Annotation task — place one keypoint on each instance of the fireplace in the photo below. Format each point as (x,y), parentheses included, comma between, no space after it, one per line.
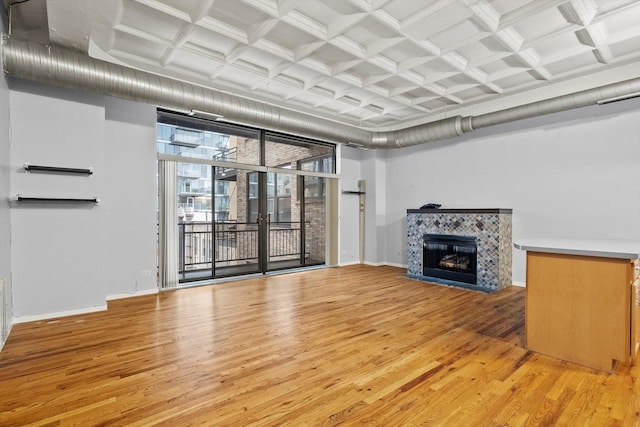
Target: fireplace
(450,257)
(488,266)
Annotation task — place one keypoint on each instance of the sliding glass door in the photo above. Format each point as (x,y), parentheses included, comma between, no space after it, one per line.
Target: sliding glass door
(237,234)
(247,201)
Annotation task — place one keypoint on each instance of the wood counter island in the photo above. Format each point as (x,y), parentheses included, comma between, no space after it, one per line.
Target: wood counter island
(581,300)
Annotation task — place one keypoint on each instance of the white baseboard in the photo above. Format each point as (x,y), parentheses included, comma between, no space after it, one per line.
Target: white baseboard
(132,294)
(8,333)
(344,264)
(47,316)
(519,284)
(393,264)
(373,264)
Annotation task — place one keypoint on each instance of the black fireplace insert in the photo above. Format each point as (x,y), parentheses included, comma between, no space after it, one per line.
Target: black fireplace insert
(450,257)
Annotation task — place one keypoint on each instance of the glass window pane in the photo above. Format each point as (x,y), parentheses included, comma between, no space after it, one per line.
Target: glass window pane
(287,152)
(193,137)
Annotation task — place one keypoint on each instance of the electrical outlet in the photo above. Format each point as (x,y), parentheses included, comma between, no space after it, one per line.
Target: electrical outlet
(145,273)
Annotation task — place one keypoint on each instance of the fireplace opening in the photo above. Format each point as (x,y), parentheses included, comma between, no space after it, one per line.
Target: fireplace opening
(450,257)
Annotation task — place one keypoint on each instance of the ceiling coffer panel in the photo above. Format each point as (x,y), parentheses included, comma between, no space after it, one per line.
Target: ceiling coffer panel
(476,55)
(62,67)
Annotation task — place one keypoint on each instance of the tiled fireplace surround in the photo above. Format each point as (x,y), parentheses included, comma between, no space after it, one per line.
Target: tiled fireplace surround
(492,229)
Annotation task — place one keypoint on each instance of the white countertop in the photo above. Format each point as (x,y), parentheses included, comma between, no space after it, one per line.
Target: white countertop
(627,249)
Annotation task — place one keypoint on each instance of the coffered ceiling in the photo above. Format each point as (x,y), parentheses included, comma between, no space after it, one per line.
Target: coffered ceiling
(376,64)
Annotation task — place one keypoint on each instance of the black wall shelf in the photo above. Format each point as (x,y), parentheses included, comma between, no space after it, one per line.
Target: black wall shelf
(20,199)
(55,169)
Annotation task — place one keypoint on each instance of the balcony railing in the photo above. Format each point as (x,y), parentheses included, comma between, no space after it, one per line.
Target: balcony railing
(233,244)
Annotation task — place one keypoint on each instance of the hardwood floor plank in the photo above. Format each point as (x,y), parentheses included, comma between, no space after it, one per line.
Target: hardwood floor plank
(356,345)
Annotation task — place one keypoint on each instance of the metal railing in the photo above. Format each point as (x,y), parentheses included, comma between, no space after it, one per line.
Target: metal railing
(233,243)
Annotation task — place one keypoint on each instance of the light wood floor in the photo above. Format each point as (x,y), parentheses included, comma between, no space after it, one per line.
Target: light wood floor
(355,345)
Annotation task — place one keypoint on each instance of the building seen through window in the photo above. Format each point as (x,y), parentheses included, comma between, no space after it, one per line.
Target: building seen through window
(244,199)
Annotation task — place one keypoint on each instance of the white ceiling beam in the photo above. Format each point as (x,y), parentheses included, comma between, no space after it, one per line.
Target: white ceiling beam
(384,63)
(413,62)
(274,48)
(484,14)
(341,67)
(369,5)
(422,99)
(349,79)
(306,24)
(344,23)
(166,9)
(167,57)
(468,41)
(308,84)
(593,35)
(342,92)
(223,28)
(529,56)
(200,10)
(540,73)
(493,87)
(429,9)
(261,30)
(453,98)
(286,6)
(435,77)
(348,45)
(476,74)
(278,69)
(144,35)
(268,7)
(579,12)
(386,19)
(302,51)
(456,60)
(529,9)
(400,90)
(236,53)
(603,55)
(510,39)
(372,80)
(381,44)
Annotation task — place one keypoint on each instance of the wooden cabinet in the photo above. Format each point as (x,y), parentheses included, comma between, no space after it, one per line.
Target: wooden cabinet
(582,308)
(635,313)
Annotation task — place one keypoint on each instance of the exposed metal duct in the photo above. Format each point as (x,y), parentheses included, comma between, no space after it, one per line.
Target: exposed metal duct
(560,103)
(58,66)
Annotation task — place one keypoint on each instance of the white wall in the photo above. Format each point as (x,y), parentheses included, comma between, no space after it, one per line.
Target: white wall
(5,213)
(373,171)
(348,233)
(130,197)
(572,174)
(70,257)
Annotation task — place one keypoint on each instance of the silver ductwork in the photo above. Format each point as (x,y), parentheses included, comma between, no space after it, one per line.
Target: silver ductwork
(62,67)
(58,66)
(555,105)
